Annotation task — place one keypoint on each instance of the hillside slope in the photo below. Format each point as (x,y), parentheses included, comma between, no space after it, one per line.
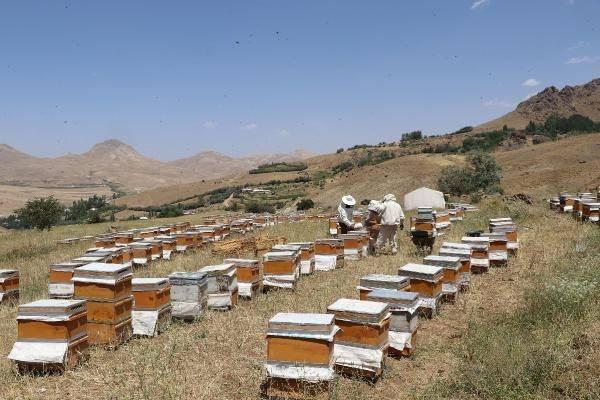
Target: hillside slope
(582,99)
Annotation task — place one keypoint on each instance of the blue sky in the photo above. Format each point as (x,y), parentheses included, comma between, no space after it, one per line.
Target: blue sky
(173,78)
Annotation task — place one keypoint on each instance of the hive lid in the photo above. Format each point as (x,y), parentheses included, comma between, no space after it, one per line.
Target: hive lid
(140,244)
(330,241)
(219,269)
(279,255)
(143,284)
(66,266)
(103,271)
(52,307)
(301,321)
(89,259)
(442,261)
(242,262)
(8,273)
(394,297)
(187,278)
(384,281)
(461,253)
(423,272)
(359,310)
(286,247)
(304,245)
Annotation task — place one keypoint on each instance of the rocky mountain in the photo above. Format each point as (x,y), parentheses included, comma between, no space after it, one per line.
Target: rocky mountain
(583,99)
(113,162)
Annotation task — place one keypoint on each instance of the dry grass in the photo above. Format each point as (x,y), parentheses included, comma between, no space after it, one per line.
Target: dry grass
(222,355)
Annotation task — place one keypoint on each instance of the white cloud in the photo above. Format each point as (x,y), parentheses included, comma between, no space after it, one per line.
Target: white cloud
(582,60)
(498,103)
(577,46)
(479,3)
(284,132)
(531,82)
(210,124)
(249,127)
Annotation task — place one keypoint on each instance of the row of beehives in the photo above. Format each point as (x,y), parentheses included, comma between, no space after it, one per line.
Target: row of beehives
(304,350)
(430,223)
(583,206)
(94,299)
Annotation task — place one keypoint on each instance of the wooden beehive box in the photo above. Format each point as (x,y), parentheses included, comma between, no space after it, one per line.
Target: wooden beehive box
(151,293)
(379,281)
(424,279)
(104,282)
(361,322)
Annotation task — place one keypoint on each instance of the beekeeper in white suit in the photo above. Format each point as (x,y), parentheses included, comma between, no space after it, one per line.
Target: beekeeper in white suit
(392,217)
(345,211)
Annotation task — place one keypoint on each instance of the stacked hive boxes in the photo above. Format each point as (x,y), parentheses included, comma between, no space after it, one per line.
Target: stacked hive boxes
(591,211)
(156,248)
(498,252)
(329,254)
(142,253)
(365,236)
(423,225)
(509,229)
(151,313)
(52,335)
(427,281)
(105,241)
(353,246)
(565,202)
(185,241)
(107,291)
(189,297)
(169,246)
(404,319)
(222,286)
(480,259)
(463,252)
(333,226)
(248,275)
(60,279)
(442,219)
(123,238)
(361,343)
(451,278)
(9,285)
(299,355)
(281,269)
(578,203)
(377,281)
(307,257)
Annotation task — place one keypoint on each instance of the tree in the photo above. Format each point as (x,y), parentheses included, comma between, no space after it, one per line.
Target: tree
(305,204)
(481,174)
(531,127)
(41,213)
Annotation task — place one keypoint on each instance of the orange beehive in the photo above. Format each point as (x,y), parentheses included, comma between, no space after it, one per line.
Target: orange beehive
(9,285)
(103,242)
(248,276)
(151,293)
(51,335)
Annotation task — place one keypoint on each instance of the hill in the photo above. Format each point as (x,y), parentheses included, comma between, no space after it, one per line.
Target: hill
(583,99)
(107,167)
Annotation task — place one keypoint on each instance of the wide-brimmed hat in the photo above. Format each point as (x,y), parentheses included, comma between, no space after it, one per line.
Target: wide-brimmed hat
(389,197)
(348,200)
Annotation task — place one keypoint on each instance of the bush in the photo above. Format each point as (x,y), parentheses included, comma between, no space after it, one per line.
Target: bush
(485,141)
(305,204)
(414,135)
(259,207)
(170,211)
(279,167)
(343,167)
(481,174)
(340,150)
(465,129)
(42,213)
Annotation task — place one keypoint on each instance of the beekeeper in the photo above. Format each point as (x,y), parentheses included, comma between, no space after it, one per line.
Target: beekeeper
(345,210)
(373,222)
(392,217)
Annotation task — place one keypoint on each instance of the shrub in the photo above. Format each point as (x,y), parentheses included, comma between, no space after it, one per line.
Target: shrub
(342,167)
(465,129)
(258,207)
(485,141)
(170,211)
(279,167)
(481,174)
(42,213)
(414,135)
(340,150)
(305,204)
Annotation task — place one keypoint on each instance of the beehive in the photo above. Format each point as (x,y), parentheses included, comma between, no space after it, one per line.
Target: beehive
(480,259)
(361,343)
(60,283)
(151,313)
(281,269)
(51,335)
(248,275)
(404,319)
(329,254)
(379,281)
(299,355)
(451,274)
(222,286)
(189,297)
(353,246)
(427,281)
(307,257)
(9,285)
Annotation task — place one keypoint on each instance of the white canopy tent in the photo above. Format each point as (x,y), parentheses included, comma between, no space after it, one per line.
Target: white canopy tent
(424,197)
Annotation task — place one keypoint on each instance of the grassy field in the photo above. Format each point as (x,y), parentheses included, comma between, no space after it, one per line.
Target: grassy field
(527,331)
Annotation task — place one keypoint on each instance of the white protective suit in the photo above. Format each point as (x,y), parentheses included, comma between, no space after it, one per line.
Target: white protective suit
(391,216)
(345,216)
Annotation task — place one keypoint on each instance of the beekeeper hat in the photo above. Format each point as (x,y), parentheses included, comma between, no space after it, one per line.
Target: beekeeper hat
(348,200)
(374,206)
(389,197)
